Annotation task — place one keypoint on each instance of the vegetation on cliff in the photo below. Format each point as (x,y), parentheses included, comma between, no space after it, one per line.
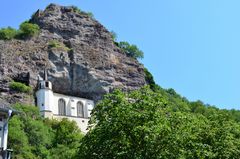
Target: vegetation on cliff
(131,50)
(26,30)
(20,87)
(31,136)
(7,33)
(57,45)
(79,11)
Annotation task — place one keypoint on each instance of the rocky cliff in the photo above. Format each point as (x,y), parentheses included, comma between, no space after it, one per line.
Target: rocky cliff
(85,62)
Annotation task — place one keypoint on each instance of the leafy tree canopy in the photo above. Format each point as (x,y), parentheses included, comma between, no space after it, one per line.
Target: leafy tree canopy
(31,136)
(145,124)
(7,33)
(131,50)
(28,29)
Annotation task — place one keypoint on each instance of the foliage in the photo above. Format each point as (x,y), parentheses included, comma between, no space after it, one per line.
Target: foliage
(8,33)
(131,50)
(67,138)
(146,124)
(114,36)
(79,11)
(30,136)
(18,139)
(28,29)
(76,9)
(54,43)
(90,14)
(57,44)
(20,87)
(150,80)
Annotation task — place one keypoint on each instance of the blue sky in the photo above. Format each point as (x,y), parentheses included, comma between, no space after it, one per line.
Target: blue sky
(191,46)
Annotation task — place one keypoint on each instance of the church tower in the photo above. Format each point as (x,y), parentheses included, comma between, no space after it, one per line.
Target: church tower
(44,96)
(58,106)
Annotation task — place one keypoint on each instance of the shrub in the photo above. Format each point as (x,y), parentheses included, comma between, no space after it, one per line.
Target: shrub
(7,33)
(54,44)
(57,44)
(131,50)
(150,80)
(20,87)
(76,9)
(114,36)
(28,30)
(90,14)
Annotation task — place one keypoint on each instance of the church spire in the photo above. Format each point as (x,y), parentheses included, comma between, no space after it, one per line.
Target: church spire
(45,75)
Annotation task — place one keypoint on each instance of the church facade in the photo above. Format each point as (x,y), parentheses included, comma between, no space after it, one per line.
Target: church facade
(57,106)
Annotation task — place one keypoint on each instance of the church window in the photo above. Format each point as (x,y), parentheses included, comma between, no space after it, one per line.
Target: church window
(80,109)
(61,107)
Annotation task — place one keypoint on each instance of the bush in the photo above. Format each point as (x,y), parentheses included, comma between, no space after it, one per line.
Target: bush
(54,44)
(31,136)
(90,14)
(7,33)
(76,9)
(114,36)
(28,30)
(20,87)
(150,80)
(131,50)
(57,44)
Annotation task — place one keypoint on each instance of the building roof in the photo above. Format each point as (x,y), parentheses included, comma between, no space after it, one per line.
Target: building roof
(4,107)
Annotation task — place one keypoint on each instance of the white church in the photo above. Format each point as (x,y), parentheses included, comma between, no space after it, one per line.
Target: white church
(58,106)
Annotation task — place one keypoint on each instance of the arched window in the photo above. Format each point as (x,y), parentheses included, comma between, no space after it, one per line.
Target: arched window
(61,107)
(80,109)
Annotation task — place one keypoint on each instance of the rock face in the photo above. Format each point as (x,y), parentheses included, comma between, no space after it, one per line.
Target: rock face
(86,62)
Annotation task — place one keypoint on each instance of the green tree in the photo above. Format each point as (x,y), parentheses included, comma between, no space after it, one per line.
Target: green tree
(131,50)
(31,136)
(150,80)
(27,30)
(18,139)
(67,138)
(142,124)
(7,33)
(35,137)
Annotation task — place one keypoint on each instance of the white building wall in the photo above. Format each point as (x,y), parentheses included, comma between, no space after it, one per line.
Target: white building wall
(47,101)
(71,104)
